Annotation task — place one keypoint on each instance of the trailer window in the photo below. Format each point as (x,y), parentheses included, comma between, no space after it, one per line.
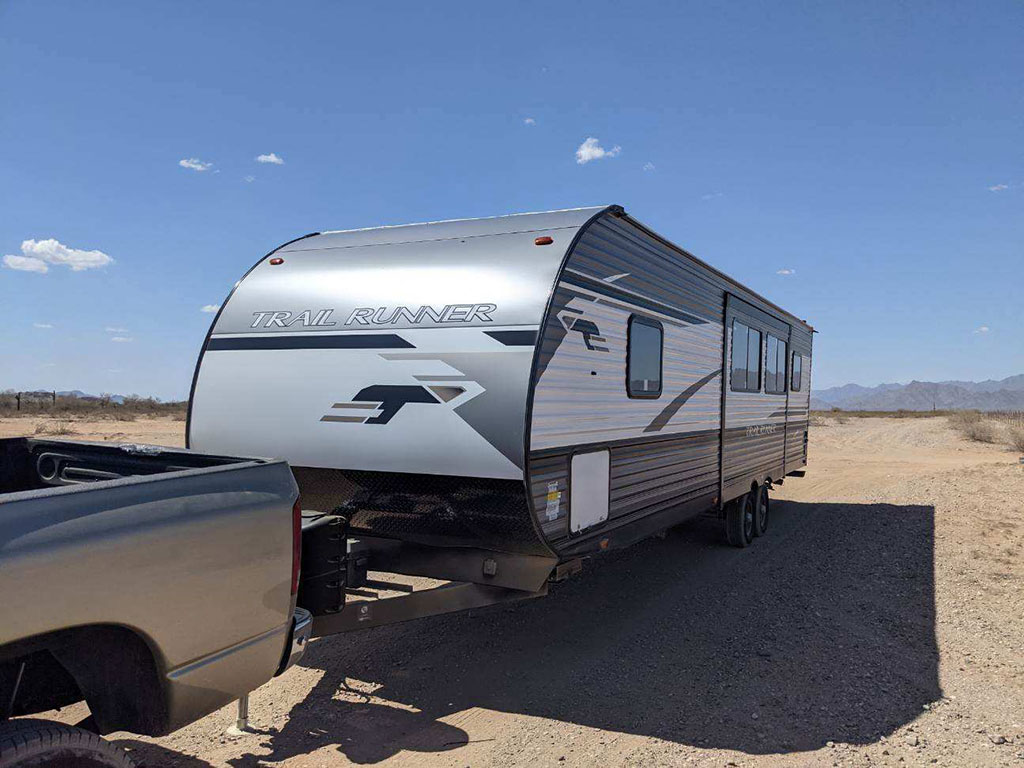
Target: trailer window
(775,366)
(643,357)
(798,373)
(746,358)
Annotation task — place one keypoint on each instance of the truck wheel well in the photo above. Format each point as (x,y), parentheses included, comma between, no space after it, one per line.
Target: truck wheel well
(110,666)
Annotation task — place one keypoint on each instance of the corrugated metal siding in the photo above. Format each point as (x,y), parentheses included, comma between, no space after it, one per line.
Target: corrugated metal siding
(645,478)
(661,455)
(580,396)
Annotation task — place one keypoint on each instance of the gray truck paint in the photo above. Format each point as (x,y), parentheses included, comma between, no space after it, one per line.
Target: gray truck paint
(197,563)
(489,410)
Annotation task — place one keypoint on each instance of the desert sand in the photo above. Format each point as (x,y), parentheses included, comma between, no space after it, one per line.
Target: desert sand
(879,622)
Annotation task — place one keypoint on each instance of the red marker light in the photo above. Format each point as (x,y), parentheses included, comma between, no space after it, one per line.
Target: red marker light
(543,241)
(276,260)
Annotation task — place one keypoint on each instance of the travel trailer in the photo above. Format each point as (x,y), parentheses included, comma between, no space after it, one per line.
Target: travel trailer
(531,388)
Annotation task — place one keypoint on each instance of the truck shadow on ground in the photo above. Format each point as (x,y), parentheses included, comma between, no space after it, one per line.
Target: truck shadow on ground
(822,630)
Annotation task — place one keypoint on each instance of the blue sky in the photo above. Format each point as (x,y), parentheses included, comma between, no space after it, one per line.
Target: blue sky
(873,149)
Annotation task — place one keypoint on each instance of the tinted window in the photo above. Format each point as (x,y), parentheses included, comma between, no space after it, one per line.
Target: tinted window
(775,366)
(643,375)
(746,358)
(798,373)
(739,356)
(754,360)
(771,365)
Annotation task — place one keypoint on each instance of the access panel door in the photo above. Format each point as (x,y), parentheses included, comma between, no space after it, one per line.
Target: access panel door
(588,489)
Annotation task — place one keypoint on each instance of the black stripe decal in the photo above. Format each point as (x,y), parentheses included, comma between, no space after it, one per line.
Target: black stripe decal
(609,290)
(678,402)
(350,341)
(514,338)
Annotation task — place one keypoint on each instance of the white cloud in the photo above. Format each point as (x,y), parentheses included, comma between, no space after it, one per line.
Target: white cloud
(249,179)
(982,329)
(785,271)
(37,255)
(272,158)
(122,339)
(110,329)
(999,188)
(591,150)
(712,195)
(195,164)
(42,325)
(26,264)
(210,308)
(529,121)
(648,166)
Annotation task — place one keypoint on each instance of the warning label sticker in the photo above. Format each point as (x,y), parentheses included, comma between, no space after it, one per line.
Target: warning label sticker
(554,501)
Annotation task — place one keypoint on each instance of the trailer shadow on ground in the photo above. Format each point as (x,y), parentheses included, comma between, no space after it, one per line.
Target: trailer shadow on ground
(822,630)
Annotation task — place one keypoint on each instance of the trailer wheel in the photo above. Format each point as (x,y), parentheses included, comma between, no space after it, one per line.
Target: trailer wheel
(33,743)
(739,521)
(761,511)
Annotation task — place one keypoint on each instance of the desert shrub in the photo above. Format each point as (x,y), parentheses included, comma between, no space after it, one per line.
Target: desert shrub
(104,407)
(975,426)
(58,427)
(841,419)
(960,420)
(1016,435)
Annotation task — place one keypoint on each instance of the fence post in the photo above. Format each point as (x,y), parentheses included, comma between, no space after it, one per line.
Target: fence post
(18,398)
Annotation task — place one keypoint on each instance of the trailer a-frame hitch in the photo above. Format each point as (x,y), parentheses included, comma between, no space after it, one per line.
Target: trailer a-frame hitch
(337,588)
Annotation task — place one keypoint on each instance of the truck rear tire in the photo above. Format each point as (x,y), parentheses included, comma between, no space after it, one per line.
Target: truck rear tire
(739,521)
(33,743)
(761,508)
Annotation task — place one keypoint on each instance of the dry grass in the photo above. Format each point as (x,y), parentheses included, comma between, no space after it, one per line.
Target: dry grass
(975,426)
(58,427)
(1016,434)
(900,414)
(93,408)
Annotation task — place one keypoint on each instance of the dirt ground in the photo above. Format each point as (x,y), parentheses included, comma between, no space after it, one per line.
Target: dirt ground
(161,430)
(879,622)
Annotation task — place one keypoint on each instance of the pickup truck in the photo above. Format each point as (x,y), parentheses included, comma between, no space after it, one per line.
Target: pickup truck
(155,584)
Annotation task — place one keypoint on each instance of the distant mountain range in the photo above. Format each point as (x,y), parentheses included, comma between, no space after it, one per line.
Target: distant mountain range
(991,395)
(118,398)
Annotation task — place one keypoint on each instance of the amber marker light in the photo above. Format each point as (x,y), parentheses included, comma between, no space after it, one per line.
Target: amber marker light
(276,260)
(543,241)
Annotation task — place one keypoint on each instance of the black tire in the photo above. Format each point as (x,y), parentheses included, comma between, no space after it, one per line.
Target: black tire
(761,508)
(739,521)
(32,743)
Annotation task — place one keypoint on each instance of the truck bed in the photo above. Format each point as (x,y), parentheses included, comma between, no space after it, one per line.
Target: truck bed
(29,464)
(160,580)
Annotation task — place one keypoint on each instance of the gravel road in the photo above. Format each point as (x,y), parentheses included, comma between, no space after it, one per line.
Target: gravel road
(878,623)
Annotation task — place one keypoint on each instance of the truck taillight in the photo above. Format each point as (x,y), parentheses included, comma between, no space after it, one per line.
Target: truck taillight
(296,544)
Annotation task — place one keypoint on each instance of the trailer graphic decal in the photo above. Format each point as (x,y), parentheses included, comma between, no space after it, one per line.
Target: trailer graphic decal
(389,399)
(310,341)
(571,320)
(678,402)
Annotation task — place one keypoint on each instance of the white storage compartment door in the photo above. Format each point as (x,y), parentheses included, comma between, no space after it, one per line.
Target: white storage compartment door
(588,490)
